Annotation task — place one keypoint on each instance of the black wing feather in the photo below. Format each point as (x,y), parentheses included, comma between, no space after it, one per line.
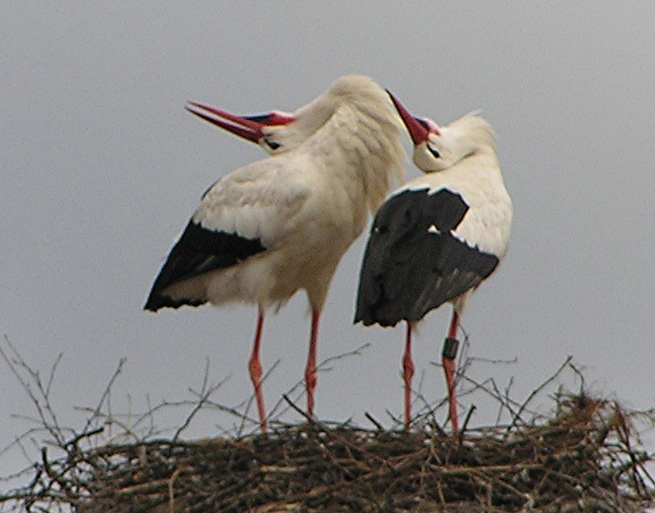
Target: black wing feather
(409,267)
(199,251)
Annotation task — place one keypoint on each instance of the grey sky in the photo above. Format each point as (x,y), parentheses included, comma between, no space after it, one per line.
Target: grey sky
(102,167)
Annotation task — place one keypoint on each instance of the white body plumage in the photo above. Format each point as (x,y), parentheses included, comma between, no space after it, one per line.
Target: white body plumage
(477,178)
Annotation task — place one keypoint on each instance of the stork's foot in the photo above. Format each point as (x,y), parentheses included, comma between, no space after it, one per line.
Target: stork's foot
(408,374)
(310,386)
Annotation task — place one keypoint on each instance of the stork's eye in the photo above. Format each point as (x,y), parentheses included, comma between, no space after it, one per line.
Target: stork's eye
(271,144)
(434,152)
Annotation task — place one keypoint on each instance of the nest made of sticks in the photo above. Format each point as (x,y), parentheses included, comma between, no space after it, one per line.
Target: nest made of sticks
(582,459)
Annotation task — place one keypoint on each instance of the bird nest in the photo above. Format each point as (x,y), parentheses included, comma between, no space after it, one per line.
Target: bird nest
(582,459)
(583,456)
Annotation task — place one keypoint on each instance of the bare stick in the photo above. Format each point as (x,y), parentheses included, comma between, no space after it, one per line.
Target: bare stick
(203,396)
(322,366)
(536,391)
(377,425)
(41,402)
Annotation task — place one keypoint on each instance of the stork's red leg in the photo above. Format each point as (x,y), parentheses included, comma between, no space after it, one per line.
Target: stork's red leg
(310,370)
(448,355)
(255,368)
(408,374)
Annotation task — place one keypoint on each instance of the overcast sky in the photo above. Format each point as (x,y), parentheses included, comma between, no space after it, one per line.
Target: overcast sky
(102,167)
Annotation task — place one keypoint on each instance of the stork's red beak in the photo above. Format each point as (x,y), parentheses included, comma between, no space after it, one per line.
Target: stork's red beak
(247,127)
(238,125)
(417,128)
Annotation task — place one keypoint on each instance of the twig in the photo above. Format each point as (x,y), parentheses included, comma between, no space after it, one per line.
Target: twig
(52,373)
(297,410)
(203,396)
(377,425)
(536,391)
(466,423)
(171,495)
(88,434)
(42,405)
(105,394)
(321,367)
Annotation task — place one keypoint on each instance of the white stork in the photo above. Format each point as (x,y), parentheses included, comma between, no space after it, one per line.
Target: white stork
(438,237)
(282,224)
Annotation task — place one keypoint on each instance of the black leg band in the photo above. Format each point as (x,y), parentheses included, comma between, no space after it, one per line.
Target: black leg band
(450,348)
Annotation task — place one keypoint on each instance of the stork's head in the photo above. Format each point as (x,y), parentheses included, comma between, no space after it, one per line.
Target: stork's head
(439,147)
(277,131)
(272,131)
(431,149)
